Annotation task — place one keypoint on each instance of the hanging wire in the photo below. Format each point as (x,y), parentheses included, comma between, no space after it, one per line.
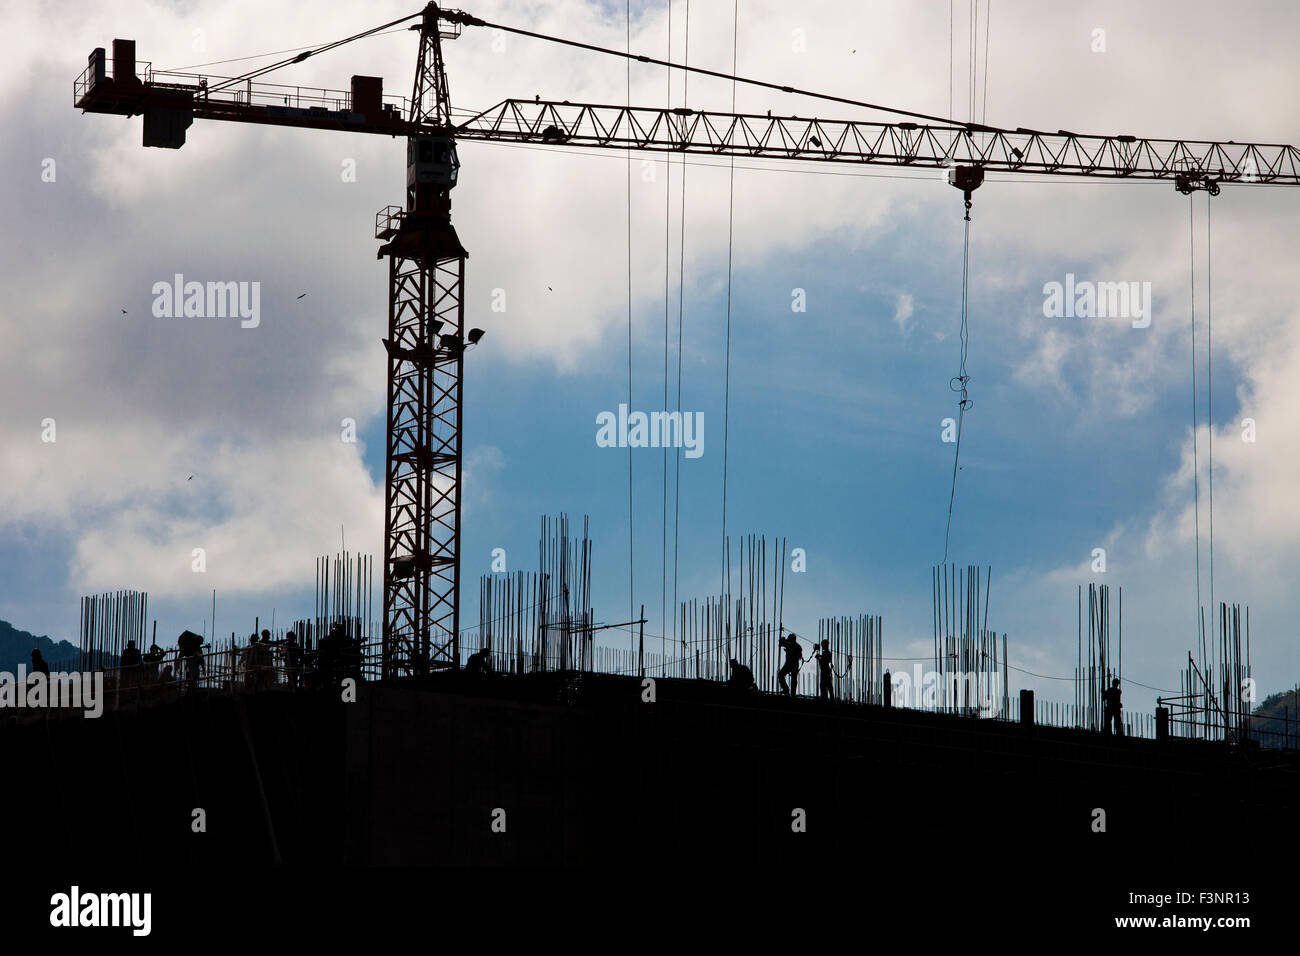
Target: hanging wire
(1196,466)
(959,382)
(731,222)
(988,17)
(631,609)
(973,59)
(681,302)
(750,81)
(1209,378)
(951,16)
(262,71)
(259,56)
(668,198)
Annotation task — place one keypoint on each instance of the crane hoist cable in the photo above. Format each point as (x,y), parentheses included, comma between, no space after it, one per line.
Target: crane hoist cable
(1209,396)
(668,200)
(731,223)
(967,179)
(1196,465)
(681,304)
(631,580)
(1209,372)
(988,16)
(973,58)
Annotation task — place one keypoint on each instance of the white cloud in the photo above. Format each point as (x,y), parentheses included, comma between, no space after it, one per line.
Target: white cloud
(902,311)
(263,538)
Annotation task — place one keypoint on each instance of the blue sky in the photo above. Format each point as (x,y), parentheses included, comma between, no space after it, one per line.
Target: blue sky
(1079,434)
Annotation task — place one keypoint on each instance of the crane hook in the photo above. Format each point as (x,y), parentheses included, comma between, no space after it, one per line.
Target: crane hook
(967,179)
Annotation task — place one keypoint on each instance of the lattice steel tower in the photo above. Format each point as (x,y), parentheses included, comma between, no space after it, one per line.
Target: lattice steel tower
(426,347)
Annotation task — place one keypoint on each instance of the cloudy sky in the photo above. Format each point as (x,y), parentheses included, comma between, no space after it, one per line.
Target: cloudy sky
(1080,436)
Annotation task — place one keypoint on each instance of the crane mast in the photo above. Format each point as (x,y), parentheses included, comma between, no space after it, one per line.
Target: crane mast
(426,368)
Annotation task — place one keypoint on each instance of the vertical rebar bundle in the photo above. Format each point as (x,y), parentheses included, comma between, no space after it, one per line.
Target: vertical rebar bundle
(1213,703)
(344,597)
(965,650)
(857,656)
(1095,666)
(564,570)
(542,620)
(108,621)
(742,623)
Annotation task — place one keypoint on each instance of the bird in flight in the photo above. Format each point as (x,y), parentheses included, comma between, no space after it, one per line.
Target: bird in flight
(124,311)
(302,295)
(190,478)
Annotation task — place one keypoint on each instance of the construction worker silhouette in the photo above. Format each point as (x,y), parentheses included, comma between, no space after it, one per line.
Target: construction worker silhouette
(742,678)
(152,658)
(793,658)
(189,651)
(265,662)
(250,659)
(479,663)
(824,659)
(131,655)
(130,665)
(1111,710)
(328,652)
(292,659)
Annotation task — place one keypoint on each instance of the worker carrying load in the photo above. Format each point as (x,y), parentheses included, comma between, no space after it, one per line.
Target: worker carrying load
(189,652)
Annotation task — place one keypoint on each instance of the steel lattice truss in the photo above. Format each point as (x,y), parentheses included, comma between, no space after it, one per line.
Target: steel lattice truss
(423,470)
(899,144)
(552,123)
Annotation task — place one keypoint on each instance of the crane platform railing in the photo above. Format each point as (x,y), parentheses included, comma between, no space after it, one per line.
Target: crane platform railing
(216,93)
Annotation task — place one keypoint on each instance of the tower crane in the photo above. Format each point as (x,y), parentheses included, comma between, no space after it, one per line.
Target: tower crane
(427,340)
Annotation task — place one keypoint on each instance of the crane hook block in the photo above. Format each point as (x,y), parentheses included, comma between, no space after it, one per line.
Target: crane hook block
(967,179)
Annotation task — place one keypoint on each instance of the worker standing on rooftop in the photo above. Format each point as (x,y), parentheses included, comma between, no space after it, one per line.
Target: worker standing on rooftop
(129,666)
(1111,710)
(150,661)
(824,672)
(292,660)
(793,658)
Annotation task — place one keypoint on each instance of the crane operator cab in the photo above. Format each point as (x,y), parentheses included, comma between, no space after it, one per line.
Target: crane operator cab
(431,161)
